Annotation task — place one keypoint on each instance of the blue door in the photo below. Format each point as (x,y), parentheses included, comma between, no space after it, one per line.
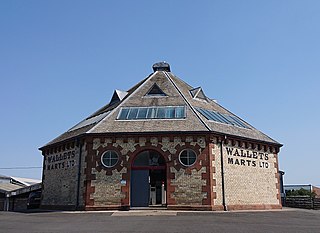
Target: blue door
(140,188)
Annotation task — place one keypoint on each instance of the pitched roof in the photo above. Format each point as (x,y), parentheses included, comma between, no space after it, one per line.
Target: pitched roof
(250,132)
(139,99)
(177,93)
(8,184)
(7,187)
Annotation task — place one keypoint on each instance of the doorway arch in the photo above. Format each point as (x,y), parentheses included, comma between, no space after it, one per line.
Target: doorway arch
(148,179)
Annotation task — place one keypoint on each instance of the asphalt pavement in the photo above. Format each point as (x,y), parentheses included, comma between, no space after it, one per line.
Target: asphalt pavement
(287,220)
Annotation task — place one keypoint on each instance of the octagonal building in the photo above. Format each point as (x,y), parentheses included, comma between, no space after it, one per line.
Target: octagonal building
(162,143)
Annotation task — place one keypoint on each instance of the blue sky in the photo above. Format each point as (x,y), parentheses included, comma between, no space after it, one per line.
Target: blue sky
(61,60)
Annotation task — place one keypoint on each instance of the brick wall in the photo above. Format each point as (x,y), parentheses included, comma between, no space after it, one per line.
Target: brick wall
(107,188)
(316,190)
(185,185)
(250,175)
(247,184)
(188,187)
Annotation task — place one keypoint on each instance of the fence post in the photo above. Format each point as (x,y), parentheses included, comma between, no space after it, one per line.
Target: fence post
(312,203)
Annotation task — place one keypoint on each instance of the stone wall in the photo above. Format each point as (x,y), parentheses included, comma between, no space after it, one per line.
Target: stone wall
(60,178)
(107,188)
(188,187)
(110,187)
(250,175)
(83,165)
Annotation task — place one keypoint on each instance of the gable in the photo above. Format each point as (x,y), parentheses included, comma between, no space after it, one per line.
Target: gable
(197,93)
(155,91)
(117,96)
(167,119)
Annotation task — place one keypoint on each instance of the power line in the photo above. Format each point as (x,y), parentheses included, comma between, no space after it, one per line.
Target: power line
(11,168)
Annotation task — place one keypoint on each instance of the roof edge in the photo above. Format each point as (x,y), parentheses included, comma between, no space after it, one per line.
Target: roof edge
(122,102)
(163,132)
(187,102)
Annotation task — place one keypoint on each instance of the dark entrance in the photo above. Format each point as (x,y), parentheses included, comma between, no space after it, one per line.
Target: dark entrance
(148,180)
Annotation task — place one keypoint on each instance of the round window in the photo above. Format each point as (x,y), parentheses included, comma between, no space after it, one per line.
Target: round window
(109,158)
(187,157)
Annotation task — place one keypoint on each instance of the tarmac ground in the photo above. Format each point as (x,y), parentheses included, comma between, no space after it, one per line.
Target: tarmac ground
(286,220)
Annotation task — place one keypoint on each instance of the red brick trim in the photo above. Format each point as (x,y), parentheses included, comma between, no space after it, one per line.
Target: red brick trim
(277,175)
(92,160)
(190,207)
(211,182)
(89,160)
(205,159)
(133,155)
(208,176)
(108,207)
(101,150)
(253,207)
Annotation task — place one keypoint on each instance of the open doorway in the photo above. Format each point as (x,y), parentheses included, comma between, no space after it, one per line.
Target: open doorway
(148,180)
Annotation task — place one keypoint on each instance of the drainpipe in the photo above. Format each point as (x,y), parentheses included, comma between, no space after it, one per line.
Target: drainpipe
(222,176)
(79,172)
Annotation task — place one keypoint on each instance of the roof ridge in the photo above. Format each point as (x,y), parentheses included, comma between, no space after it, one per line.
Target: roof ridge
(186,100)
(124,100)
(111,107)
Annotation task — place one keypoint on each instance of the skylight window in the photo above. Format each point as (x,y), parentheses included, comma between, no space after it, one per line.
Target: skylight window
(140,113)
(222,118)
(89,121)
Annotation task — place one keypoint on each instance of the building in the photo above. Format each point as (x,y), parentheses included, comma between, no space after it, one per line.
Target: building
(161,143)
(15,192)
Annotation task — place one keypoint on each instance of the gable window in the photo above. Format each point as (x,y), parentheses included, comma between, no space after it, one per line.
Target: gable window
(163,112)
(197,93)
(155,90)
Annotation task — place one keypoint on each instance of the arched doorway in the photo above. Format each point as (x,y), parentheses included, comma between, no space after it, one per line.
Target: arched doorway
(148,180)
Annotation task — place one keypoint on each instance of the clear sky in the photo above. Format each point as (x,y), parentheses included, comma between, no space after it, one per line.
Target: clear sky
(61,60)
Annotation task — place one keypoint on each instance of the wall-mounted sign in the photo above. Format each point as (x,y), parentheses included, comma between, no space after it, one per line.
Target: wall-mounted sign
(248,158)
(63,160)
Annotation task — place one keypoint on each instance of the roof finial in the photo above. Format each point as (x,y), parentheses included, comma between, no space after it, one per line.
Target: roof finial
(161,66)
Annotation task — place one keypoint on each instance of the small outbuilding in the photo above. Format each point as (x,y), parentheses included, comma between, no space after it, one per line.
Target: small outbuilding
(162,143)
(15,193)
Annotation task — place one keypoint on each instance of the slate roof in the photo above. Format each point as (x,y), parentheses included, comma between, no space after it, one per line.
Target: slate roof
(178,93)
(9,183)
(7,187)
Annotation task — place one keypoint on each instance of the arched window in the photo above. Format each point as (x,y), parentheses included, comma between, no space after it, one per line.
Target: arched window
(148,158)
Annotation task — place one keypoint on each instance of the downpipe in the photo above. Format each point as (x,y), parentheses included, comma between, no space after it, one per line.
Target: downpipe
(222,176)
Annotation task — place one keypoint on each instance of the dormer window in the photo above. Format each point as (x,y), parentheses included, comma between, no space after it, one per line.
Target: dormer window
(155,90)
(117,96)
(197,93)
